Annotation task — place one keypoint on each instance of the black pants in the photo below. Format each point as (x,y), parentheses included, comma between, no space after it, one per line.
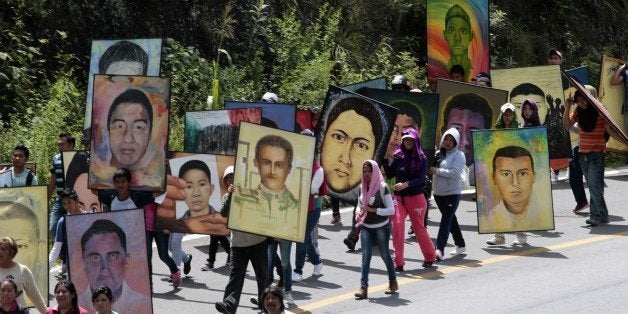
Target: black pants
(213,246)
(240,257)
(161,241)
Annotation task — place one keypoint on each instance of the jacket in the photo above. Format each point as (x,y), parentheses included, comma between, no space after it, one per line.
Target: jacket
(448,175)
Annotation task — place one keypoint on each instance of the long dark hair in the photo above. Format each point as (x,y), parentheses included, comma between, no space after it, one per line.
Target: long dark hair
(587,118)
(72,289)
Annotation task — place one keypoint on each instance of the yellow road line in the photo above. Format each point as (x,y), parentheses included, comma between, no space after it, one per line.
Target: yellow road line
(454,268)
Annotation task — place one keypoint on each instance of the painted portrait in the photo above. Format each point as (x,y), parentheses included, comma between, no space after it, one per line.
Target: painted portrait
(76,173)
(457,36)
(200,211)
(108,249)
(467,107)
(378,83)
(416,110)
(272,182)
(24,217)
(216,131)
(613,97)
(543,84)
(513,187)
(130,130)
(351,129)
(274,115)
(120,57)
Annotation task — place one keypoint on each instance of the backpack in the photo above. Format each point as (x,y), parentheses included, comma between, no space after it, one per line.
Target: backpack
(29,177)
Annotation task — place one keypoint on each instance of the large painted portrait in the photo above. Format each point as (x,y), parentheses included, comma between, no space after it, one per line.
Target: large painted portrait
(207,178)
(130,130)
(543,84)
(274,115)
(76,173)
(378,83)
(514,192)
(108,249)
(614,98)
(272,180)
(24,217)
(216,132)
(351,129)
(457,38)
(121,57)
(415,110)
(467,107)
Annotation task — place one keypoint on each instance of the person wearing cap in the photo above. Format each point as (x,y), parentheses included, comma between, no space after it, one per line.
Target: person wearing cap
(555,57)
(483,81)
(400,82)
(215,240)
(507,120)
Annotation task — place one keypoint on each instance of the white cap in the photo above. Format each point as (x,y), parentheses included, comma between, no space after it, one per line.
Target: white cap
(507,106)
(270,97)
(228,171)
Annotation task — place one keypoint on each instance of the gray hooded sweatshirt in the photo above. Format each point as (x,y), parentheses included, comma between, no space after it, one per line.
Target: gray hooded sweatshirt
(448,175)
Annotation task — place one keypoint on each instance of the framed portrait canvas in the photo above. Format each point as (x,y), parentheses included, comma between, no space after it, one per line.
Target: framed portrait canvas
(512,180)
(76,174)
(216,131)
(613,97)
(274,115)
(130,130)
(109,249)
(24,217)
(272,179)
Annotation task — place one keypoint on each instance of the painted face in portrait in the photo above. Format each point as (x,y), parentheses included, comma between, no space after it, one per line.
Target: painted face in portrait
(88,201)
(273,166)
(402,122)
(129,134)
(198,188)
(23,232)
(348,142)
(514,178)
(465,121)
(458,36)
(105,261)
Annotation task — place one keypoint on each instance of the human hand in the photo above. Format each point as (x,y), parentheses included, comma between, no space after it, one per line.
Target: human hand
(400,186)
(175,191)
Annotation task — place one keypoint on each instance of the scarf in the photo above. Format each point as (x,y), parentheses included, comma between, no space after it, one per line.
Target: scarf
(369,189)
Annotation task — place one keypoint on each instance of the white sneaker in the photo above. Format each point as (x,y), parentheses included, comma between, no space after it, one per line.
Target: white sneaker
(317,269)
(553,176)
(287,297)
(522,239)
(497,239)
(439,255)
(296,277)
(458,250)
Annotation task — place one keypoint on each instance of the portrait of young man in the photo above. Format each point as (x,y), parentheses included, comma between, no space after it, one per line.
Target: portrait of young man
(129,130)
(512,180)
(271,182)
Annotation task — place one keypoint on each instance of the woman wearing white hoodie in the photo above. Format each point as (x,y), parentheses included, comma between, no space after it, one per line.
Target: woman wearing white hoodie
(447,186)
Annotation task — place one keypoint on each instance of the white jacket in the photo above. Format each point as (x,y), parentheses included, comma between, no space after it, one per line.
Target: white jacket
(447,178)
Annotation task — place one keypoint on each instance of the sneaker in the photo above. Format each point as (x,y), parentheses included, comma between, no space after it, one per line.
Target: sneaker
(207,266)
(399,268)
(349,243)
(497,239)
(254,301)
(439,255)
(223,307)
(287,297)
(411,231)
(228,262)
(176,279)
(335,219)
(317,269)
(458,250)
(428,264)
(554,176)
(187,264)
(592,222)
(522,239)
(296,277)
(580,207)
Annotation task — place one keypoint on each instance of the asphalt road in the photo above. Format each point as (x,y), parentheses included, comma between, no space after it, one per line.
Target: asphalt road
(572,269)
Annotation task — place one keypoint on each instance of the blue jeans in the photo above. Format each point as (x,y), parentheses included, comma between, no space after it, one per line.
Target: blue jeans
(447,205)
(382,236)
(575,178)
(308,246)
(174,245)
(592,165)
(55,214)
(284,250)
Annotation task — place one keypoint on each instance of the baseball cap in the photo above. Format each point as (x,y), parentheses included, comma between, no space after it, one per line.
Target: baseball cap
(507,106)
(270,97)
(555,52)
(228,171)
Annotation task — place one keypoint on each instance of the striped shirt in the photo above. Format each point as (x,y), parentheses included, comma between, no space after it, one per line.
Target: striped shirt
(57,169)
(593,141)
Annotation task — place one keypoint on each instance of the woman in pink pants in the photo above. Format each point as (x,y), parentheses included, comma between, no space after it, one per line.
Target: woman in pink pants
(409,166)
